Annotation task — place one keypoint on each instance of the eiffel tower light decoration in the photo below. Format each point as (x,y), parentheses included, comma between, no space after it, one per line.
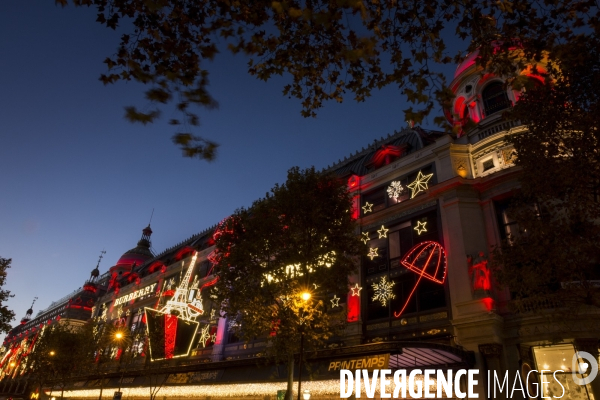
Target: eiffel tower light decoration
(179,302)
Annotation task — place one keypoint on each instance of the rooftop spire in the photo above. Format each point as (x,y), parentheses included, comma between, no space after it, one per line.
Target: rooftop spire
(28,313)
(96,271)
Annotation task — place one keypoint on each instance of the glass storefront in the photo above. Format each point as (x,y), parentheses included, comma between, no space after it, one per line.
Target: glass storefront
(558,359)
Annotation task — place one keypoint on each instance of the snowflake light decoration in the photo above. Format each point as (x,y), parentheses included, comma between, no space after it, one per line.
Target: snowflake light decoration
(383,291)
(395,190)
(205,336)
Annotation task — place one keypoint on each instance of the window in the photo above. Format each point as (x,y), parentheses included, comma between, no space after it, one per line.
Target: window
(488,164)
(495,98)
(558,360)
(508,226)
(400,239)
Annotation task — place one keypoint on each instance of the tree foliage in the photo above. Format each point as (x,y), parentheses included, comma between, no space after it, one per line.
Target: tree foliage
(6,315)
(329,50)
(558,207)
(300,238)
(60,352)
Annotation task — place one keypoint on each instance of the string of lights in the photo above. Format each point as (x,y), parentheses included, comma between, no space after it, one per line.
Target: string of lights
(316,388)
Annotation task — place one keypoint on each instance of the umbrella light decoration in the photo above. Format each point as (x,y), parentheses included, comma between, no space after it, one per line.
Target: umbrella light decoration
(428,260)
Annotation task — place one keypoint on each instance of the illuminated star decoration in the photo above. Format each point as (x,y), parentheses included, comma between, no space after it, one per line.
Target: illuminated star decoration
(213,338)
(356,290)
(365,237)
(373,253)
(382,232)
(383,291)
(420,184)
(420,228)
(335,301)
(395,190)
(368,207)
(205,336)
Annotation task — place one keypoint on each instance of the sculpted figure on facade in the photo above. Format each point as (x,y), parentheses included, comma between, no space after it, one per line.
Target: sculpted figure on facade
(479,273)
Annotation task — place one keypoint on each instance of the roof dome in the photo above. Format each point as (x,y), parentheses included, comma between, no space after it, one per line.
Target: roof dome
(139,254)
(467,62)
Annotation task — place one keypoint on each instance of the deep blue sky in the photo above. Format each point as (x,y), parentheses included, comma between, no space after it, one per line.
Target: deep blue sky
(77,178)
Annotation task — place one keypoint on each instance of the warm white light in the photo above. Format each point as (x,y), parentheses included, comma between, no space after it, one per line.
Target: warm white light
(306,395)
(305,296)
(373,253)
(329,388)
(395,190)
(420,184)
(383,232)
(335,302)
(356,290)
(383,291)
(365,237)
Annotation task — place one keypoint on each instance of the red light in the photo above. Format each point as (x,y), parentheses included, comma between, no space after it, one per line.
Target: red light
(155,266)
(182,252)
(170,335)
(489,303)
(353,308)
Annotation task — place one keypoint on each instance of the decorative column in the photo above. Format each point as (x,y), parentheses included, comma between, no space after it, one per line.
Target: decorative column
(217,350)
(491,353)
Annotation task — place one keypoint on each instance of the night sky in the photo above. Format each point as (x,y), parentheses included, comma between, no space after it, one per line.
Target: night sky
(77,178)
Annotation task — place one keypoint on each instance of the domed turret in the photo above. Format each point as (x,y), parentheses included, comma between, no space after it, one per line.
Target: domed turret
(481,96)
(139,254)
(136,256)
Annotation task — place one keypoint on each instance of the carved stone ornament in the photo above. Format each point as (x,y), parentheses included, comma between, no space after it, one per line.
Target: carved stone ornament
(490,349)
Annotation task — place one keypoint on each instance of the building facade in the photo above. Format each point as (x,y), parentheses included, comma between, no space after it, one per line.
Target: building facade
(430,206)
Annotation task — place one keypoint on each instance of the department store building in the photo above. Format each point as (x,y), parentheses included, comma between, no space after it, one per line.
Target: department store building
(416,193)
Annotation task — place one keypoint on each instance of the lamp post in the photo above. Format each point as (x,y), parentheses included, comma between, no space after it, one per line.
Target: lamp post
(119,337)
(305,297)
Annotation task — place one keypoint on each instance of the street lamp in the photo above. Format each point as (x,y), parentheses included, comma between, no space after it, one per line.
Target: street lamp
(305,296)
(118,336)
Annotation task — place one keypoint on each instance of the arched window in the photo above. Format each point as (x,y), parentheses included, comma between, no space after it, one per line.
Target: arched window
(495,98)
